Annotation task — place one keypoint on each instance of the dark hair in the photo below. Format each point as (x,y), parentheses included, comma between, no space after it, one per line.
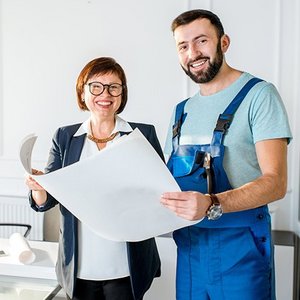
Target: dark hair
(101,65)
(192,15)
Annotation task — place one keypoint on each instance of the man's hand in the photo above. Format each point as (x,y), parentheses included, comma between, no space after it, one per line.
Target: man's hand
(188,205)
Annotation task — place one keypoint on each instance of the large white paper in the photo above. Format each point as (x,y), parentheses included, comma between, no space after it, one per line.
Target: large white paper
(117,191)
(25,153)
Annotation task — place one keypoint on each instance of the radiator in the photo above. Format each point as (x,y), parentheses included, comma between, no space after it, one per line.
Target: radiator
(17,210)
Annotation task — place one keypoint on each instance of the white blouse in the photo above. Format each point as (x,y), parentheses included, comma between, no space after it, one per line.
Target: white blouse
(98,258)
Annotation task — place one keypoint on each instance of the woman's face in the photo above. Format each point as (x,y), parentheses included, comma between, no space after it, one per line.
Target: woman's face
(103,94)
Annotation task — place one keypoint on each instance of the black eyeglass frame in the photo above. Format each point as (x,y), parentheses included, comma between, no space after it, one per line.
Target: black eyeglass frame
(104,86)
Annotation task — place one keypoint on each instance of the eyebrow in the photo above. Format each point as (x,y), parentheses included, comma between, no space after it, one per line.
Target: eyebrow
(194,39)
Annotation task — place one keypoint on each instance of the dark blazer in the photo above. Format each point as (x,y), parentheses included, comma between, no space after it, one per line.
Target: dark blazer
(144,262)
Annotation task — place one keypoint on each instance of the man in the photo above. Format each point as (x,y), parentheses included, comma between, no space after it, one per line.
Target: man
(227,148)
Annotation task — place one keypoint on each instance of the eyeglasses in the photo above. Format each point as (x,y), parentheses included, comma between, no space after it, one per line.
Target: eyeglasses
(97,88)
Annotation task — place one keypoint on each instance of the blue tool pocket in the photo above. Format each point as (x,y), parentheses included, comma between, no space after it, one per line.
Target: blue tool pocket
(183,165)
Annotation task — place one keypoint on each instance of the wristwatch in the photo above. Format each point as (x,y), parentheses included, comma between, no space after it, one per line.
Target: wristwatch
(215,211)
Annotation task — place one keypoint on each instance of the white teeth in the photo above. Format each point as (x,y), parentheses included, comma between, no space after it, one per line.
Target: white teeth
(104,103)
(198,64)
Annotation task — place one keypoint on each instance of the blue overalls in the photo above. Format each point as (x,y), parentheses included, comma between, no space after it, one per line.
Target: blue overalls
(230,258)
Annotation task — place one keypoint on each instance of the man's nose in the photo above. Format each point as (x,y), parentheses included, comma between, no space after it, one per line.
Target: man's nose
(193,52)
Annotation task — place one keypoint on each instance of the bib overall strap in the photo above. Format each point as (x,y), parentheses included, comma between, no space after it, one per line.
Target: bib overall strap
(226,117)
(179,119)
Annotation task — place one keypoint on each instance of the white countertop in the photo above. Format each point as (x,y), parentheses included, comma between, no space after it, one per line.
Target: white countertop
(43,267)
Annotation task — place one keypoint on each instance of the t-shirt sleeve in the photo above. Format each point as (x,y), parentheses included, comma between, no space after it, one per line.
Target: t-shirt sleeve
(268,116)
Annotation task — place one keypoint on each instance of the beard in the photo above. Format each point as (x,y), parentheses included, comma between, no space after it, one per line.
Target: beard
(212,70)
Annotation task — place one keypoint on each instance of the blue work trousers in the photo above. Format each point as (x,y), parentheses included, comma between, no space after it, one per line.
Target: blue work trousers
(224,264)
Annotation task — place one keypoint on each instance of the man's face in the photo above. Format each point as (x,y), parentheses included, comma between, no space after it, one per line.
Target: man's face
(199,50)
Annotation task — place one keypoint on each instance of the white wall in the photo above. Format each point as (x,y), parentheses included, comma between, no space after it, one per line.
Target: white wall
(44,45)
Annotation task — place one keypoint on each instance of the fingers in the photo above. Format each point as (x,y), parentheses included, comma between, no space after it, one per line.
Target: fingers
(179,199)
(189,205)
(187,213)
(36,172)
(173,202)
(177,195)
(32,184)
(180,211)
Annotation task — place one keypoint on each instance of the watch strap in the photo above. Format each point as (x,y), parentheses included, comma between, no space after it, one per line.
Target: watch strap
(214,199)
(214,211)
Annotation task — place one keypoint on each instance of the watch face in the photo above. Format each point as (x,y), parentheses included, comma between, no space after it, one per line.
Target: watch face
(215,212)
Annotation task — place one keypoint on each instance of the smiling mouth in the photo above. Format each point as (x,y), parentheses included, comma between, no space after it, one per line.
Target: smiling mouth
(103,103)
(198,64)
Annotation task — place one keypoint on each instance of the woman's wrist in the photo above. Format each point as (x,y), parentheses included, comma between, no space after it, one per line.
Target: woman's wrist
(39,197)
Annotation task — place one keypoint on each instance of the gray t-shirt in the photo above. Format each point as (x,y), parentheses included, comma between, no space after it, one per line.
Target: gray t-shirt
(261,116)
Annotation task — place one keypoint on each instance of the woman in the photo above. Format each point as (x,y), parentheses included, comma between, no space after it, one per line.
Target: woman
(90,267)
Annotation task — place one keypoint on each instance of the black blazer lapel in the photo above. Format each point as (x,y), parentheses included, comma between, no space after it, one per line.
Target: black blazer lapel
(75,149)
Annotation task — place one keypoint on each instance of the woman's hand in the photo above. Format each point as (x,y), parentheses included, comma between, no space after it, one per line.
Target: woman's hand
(31,183)
(39,194)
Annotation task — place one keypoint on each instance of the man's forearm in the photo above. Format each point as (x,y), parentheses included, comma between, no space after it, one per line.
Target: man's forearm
(265,189)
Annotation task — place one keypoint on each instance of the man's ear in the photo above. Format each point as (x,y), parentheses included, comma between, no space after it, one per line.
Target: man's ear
(225,42)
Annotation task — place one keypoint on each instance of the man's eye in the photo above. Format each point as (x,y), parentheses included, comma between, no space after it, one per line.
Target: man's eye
(182,48)
(202,41)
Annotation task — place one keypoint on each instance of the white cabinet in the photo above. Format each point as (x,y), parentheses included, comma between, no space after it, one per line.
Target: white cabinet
(284,262)
(286,265)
